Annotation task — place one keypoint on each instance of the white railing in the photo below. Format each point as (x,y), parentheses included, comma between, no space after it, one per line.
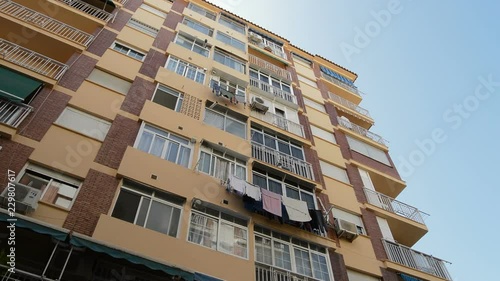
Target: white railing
(361,131)
(348,104)
(12,114)
(88,9)
(31,60)
(282,160)
(275,91)
(146,28)
(394,206)
(267,45)
(280,122)
(271,67)
(269,273)
(341,84)
(45,22)
(416,260)
(123,2)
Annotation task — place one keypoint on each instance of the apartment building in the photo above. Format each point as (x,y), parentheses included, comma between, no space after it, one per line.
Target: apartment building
(173,140)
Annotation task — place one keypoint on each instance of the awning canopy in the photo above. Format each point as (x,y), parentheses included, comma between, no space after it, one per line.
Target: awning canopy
(15,86)
(408,277)
(202,277)
(36,227)
(335,75)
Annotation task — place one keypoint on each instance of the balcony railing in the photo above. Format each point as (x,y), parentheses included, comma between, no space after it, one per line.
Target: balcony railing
(123,2)
(13,114)
(361,131)
(416,260)
(88,9)
(267,45)
(394,206)
(342,84)
(280,122)
(271,67)
(282,160)
(269,273)
(31,60)
(348,104)
(275,91)
(45,22)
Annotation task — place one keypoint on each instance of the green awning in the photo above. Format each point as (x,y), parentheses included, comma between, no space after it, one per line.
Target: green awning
(119,254)
(36,227)
(15,86)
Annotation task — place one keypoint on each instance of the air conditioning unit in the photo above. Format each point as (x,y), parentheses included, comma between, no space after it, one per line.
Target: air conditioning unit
(26,198)
(346,229)
(258,104)
(255,38)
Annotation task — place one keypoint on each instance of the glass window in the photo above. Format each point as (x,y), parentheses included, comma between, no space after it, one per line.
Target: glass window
(231,41)
(302,262)
(219,165)
(84,123)
(145,28)
(168,98)
(318,106)
(185,69)
(333,171)
(229,60)
(128,51)
(202,11)
(192,44)
(198,26)
(153,10)
(226,123)
(234,25)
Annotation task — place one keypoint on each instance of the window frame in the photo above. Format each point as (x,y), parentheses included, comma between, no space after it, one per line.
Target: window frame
(153,10)
(187,67)
(101,122)
(325,164)
(232,24)
(228,56)
(129,50)
(359,221)
(231,41)
(322,133)
(315,105)
(277,141)
(172,92)
(195,23)
(213,154)
(202,11)
(284,85)
(194,43)
(226,116)
(143,27)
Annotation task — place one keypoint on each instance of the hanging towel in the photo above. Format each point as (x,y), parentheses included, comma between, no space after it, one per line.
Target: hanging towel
(237,185)
(318,220)
(271,202)
(296,209)
(253,191)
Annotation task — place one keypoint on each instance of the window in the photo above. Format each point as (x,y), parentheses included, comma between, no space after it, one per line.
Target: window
(56,188)
(83,123)
(307,81)
(335,172)
(142,27)
(228,60)
(226,39)
(202,11)
(185,69)
(358,276)
(233,24)
(356,219)
(291,254)
(238,91)
(219,231)
(272,141)
(271,85)
(198,26)
(192,44)
(109,81)
(368,150)
(149,208)
(128,51)
(298,58)
(165,145)
(315,105)
(153,10)
(219,164)
(222,119)
(320,133)
(168,97)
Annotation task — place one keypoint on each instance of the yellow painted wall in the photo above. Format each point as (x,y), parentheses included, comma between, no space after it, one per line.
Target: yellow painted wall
(98,100)
(359,254)
(199,18)
(149,18)
(189,56)
(50,214)
(342,195)
(136,39)
(329,152)
(119,64)
(162,5)
(311,93)
(318,118)
(304,70)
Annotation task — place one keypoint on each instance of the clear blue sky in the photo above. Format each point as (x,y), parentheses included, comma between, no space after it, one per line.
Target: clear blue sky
(420,70)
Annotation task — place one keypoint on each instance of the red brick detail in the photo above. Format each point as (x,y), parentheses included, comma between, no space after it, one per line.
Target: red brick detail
(300,98)
(133,5)
(163,38)
(375,164)
(312,157)
(179,6)
(388,275)
(14,156)
(77,73)
(172,19)
(122,133)
(94,198)
(102,42)
(332,112)
(357,182)
(304,121)
(344,145)
(48,105)
(153,61)
(338,267)
(140,91)
(121,19)
(373,230)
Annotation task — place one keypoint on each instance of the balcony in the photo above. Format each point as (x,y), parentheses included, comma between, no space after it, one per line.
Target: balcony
(269,273)
(341,84)
(364,113)
(274,92)
(31,60)
(263,43)
(88,9)
(44,22)
(361,131)
(422,262)
(282,73)
(282,160)
(12,114)
(123,2)
(280,122)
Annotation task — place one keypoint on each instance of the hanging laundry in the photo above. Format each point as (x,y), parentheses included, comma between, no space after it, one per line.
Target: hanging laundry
(318,220)
(253,191)
(271,202)
(237,185)
(296,209)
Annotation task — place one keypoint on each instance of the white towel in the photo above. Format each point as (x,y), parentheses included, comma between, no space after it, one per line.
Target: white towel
(253,192)
(237,185)
(297,210)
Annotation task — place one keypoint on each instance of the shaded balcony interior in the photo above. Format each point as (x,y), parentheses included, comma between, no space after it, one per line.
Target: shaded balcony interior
(353,112)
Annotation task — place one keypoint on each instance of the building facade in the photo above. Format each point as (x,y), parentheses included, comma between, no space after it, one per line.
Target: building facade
(173,140)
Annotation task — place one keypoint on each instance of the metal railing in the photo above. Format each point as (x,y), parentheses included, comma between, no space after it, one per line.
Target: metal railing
(269,273)
(361,131)
(267,45)
(31,60)
(416,260)
(280,122)
(271,67)
(45,22)
(123,2)
(394,206)
(13,114)
(88,9)
(342,84)
(275,91)
(282,160)
(348,104)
